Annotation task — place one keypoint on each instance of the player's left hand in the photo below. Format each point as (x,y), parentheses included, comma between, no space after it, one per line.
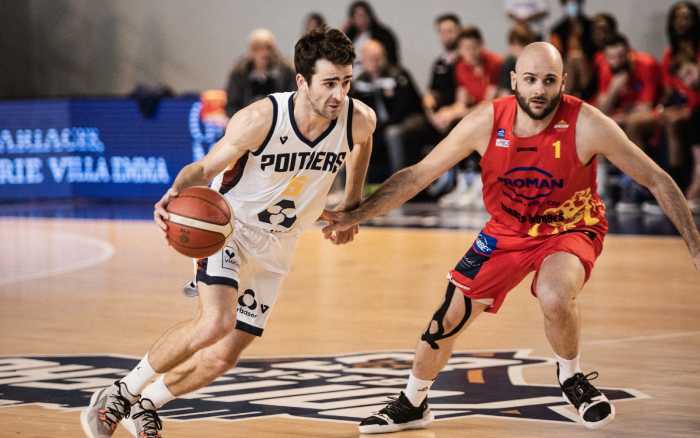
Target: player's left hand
(340,229)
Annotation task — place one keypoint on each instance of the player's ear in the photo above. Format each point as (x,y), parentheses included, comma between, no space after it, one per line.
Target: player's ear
(513,79)
(563,83)
(301,82)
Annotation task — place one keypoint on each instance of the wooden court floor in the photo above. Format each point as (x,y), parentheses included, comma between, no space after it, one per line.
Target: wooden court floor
(75,288)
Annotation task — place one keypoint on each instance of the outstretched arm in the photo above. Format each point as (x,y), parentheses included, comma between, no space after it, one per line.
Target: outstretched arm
(471,134)
(598,134)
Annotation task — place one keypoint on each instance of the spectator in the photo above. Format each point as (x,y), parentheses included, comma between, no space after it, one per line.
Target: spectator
(390,91)
(477,72)
(363,25)
(572,36)
(260,72)
(603,26)
(518,37)
(528,13)
(683,31)
(687,68)
(313,21)
(628,81)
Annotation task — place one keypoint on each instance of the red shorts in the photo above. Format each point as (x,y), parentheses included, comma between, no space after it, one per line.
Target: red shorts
(496,263)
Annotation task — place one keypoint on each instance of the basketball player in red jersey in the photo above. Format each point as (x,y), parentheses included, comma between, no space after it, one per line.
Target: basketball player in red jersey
(538,153)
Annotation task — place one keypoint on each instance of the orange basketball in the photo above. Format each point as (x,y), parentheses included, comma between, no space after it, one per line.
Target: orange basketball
(200,222)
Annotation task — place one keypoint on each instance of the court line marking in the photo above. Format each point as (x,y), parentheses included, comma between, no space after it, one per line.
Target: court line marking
(104,253)
(642,338)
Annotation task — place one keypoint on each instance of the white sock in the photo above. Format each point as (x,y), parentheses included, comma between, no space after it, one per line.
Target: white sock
(138,378)
(417,390)
(568,367)
(158,393)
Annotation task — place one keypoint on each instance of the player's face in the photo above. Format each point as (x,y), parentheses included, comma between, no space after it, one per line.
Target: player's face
(537,90)
(329,87)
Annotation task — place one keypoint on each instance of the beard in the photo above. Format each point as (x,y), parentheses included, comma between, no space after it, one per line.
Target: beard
(523,104)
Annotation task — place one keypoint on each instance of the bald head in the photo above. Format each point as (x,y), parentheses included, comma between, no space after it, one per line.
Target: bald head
(540,58)
(373,56)
(538,80)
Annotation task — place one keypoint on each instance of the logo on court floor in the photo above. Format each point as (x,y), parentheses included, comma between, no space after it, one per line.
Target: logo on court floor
(340,388)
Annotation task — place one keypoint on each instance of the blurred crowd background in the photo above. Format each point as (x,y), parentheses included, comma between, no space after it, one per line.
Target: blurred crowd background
(421,66)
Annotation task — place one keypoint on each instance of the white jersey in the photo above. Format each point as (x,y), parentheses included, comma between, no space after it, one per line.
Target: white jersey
(283,185)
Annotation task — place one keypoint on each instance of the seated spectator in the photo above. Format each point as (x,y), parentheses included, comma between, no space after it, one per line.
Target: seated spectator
(628,81)
(260,72)
(477,72)
(441,94)
(687,68)
(390,91)
(530,14)
(518,37)
(572,36)
(603,26)
(363,25)
(680,100)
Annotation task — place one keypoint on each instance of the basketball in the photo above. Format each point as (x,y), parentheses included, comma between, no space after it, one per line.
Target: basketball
(200,221)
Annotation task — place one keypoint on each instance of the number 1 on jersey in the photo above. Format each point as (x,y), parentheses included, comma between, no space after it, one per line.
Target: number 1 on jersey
(557,149)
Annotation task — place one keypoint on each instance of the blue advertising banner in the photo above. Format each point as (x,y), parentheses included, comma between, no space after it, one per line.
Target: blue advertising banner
(97,148)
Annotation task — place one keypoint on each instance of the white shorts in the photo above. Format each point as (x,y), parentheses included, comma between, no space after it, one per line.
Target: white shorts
(254,261)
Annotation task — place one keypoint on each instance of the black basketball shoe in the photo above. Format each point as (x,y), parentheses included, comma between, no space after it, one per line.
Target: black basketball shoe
(398,414)
(593,406)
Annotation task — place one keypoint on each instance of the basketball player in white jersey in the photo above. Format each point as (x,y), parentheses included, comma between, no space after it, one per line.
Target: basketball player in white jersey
(275,166)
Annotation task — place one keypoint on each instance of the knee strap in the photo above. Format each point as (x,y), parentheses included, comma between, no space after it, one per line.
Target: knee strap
(439,315)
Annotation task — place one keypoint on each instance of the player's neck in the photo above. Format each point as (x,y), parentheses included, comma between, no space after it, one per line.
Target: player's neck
(307,120)
(526,126)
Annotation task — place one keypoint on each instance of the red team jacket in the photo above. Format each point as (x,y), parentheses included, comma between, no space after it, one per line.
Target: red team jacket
(536,186)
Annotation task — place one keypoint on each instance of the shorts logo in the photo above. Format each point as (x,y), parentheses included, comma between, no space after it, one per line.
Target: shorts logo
(341,388)
(228,259)
(485,244)
(247,304)
(283,214)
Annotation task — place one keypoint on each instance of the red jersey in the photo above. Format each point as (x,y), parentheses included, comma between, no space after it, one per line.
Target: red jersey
(642,86)
(675,83)
(476,81)
(536,186)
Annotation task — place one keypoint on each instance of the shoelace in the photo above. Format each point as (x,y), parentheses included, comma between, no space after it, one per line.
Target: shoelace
(151,422)
(393,408)
(116,408)
(587,391)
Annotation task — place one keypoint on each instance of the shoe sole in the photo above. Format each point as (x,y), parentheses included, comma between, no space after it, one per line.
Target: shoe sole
(417,424)
(593,424)
(83,416)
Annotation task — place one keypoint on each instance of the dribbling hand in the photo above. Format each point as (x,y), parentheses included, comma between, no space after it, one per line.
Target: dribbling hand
(160,214)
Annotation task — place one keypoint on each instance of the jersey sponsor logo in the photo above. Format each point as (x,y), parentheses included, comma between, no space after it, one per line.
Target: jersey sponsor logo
(341,388)
(283,139)
(229,261)
(501,133)
(501,143)
(546,218)
(295,161)
(583,209)
(283,213)
(527,149)
(530,183)
(561,124)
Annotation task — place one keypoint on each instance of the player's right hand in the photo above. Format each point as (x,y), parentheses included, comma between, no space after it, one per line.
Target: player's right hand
(337,221)
(160,214)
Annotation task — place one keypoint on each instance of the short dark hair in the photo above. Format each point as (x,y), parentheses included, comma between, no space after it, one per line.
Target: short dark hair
(521,34)
(609,19)
(448,17)
(471,33)
(616,39)
(323,43)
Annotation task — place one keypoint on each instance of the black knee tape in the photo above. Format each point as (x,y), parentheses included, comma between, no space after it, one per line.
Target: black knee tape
(439,315)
